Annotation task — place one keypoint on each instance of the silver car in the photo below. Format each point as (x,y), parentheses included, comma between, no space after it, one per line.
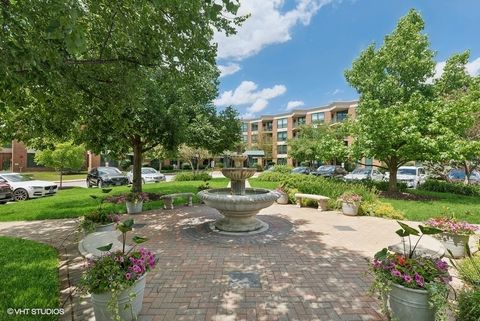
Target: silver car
(363,173)
(149,175)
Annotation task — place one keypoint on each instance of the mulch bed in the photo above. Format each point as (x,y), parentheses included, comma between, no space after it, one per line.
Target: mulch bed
(407,196)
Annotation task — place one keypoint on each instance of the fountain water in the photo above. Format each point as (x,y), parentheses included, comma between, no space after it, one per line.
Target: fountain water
(239,205)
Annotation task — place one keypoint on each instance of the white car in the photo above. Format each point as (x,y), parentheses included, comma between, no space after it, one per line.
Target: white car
(25,187)
(413,176)
(149,175)
(362,173)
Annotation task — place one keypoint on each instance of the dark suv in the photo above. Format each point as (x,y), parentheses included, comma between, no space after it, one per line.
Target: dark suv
(330,171)
(6,192)
(106,176)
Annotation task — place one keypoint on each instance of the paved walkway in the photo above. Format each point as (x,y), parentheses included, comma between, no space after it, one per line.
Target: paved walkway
(310,265)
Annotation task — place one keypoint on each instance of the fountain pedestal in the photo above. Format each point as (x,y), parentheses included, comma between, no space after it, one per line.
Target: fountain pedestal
(238,205)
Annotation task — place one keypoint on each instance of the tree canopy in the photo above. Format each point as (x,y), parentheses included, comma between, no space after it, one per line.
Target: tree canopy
(113,75)
(401,116)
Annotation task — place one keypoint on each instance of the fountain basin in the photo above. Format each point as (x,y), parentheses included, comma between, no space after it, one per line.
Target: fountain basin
(238,174)
(239,211)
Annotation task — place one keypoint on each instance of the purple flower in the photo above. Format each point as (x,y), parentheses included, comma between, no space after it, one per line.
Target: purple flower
(441,265)
(128,275)
(407,278)
(396,273)
(419,279)
(137,269)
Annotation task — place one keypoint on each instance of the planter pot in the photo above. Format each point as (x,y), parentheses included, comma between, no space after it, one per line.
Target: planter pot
(134,208)
(134,305)
(454,242)
(349,209)
(283,199)
(105,228)
(410,304)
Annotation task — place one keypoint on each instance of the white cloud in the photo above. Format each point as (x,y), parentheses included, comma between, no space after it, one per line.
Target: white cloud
(336,92)
(247,93)
(267,25)
(229,69)
(473,68)
(294,104)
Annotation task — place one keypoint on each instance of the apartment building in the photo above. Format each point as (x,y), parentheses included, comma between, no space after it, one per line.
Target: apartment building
(270,133)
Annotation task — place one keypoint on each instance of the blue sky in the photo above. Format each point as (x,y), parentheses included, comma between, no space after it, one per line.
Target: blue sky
(293,53)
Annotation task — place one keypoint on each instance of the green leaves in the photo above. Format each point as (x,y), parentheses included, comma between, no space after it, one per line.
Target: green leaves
(381,255)
(139,239)
(407,230)
(125,226)
(105,248)
(427,230)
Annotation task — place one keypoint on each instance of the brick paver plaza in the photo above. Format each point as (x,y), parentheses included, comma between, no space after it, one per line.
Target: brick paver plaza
(309,265)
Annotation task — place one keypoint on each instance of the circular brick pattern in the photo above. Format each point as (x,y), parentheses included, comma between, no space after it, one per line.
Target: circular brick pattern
(279,228)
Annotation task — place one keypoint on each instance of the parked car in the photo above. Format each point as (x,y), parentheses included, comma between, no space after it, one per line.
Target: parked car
(300,170)
(413,176)
(6,192)
(149,175)
(24,187)
(330,171)
(458,175)
(362,173)
(106,176)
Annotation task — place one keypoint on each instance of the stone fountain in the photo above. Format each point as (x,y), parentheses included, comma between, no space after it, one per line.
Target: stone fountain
(239,205)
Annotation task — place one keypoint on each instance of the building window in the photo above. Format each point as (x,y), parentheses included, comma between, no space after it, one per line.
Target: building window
(300,121)
(281,149)
(340,116)
(244,127)
(281,136)
(254,127)
(281,161)
(31,161)
(244,138)
(282,123)
(318,117)
(268,126)
(254,138)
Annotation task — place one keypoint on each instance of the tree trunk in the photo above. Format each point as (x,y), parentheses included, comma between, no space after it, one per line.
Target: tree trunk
(61,178)
(137,165)
(468,172)
(392,181)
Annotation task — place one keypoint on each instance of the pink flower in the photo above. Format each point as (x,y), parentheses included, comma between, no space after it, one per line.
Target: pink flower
(407,278)
(128,276)
(419,279)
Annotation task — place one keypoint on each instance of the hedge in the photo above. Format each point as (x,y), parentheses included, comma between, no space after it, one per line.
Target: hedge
(448,187)
(188,176)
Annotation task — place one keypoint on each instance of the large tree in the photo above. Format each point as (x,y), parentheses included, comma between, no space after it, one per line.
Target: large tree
(319,142)
(117,76)
(399,118)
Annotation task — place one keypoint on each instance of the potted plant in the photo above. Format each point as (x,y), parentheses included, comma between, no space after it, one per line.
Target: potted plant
(455,234)
(411,287)
(100,219)
(350,203)
(116,280)
(283,199)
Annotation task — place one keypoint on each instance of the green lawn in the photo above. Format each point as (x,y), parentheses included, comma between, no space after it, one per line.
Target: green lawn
(55,176)
(29,278)
(77,201)
(465,207)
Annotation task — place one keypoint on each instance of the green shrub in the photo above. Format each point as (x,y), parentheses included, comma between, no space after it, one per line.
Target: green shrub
(259,167)
(271,176)
(469,270)
(188,176)
(380,209)
(380,185)
(219,165)
(284,169)
(448,187)
(469,305)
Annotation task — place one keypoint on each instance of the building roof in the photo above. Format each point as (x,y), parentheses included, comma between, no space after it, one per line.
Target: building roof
(305,110)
